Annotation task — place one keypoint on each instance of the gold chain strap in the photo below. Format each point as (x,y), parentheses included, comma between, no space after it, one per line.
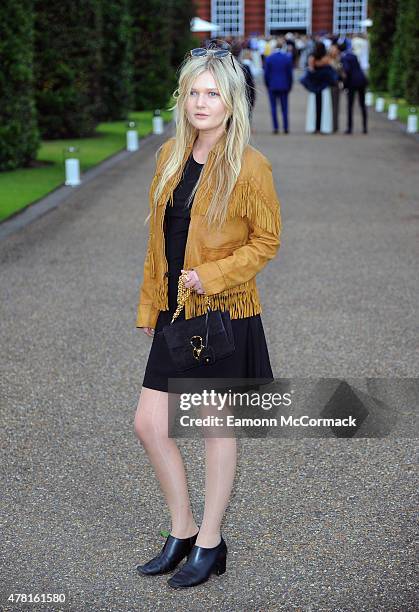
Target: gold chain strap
(182,295)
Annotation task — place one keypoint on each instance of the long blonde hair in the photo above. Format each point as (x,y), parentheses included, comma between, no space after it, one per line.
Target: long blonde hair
(227,163)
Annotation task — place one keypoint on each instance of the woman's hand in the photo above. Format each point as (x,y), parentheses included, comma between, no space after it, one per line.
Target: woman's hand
(193,282)
(148,330)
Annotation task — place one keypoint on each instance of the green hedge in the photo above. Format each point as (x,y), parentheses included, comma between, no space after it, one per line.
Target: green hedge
(384,14)
(68,67)
(412,52)
(153,75)
(117,67)
(398,60)
(19,136)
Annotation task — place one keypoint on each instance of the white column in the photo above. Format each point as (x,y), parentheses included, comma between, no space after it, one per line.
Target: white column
(72,172)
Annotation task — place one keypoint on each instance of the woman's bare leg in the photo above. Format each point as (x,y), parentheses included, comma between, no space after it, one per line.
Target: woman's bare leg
(219,476)
(151,427)
(220,469)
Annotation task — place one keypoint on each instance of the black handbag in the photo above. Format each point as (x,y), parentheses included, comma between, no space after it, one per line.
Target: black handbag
(201,340)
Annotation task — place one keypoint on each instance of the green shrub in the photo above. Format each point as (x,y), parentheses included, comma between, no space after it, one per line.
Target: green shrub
(398,60)
(154,77)
(117,60)
(384,14)
(412,52)
(19,135)
(68,67)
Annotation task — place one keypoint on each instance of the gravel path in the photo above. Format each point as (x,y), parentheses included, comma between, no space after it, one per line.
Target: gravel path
(313,524)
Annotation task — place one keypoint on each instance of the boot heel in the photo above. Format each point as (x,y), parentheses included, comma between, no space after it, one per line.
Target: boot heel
(220,568)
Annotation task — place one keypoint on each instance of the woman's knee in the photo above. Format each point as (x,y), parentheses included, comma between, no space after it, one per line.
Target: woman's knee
(149,420)
(142,427)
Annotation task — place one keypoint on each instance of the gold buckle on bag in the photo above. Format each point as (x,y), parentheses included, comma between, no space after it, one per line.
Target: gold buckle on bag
(197,349)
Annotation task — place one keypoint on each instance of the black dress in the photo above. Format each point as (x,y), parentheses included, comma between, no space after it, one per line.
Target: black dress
(250,358)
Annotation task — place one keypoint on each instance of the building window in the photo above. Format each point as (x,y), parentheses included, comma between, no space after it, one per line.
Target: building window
(347,16)
(228,14)
(287,14)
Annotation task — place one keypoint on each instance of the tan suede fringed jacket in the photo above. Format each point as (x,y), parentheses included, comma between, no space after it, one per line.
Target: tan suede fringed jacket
(226,261)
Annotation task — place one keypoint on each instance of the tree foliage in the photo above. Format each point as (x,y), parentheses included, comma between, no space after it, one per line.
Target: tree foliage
(19,136)
(412,52)
(384,14)
(68,67)
(117,60)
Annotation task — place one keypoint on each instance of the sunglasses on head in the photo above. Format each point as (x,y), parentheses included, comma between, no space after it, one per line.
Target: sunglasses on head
(219,53)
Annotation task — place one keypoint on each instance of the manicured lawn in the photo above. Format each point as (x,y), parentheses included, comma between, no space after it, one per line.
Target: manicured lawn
(403,106)
(19,188)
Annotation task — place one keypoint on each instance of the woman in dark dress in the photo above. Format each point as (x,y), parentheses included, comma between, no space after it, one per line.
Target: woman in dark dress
(250,358)
(213,109)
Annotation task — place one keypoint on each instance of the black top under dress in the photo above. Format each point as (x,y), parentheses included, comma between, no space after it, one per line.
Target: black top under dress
(250,358)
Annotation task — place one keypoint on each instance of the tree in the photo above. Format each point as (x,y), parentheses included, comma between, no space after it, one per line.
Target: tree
(182,38)
(19,135)
(68,67)
(153,73)
(384,13)
(412,46)
(398,59)
(117,60)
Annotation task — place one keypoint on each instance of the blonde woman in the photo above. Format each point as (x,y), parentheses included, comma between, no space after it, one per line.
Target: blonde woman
(214,218)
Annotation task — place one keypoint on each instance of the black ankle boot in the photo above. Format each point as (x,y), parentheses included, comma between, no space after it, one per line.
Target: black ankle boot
(174,550)
(201,563)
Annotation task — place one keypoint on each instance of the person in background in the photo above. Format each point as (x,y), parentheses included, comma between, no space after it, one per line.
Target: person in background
(236,50)
(247,60)
(355,82)
(278,76)
(360,47)
(254,50)
(318,80)
(307,51)
(326,40)
(262,44)
(292,50)
(299,45)
(334,59)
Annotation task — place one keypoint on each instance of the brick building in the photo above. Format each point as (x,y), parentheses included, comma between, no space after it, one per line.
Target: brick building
(244,17)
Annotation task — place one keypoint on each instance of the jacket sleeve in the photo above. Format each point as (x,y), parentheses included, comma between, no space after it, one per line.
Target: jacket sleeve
(147,314)
(264,220)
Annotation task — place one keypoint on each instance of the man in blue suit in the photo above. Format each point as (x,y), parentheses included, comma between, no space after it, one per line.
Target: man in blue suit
(354,81)
(278,79)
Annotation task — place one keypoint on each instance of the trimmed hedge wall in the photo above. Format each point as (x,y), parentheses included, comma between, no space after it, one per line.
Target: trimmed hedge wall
(412,52)
(19,135)
(394,48)
(117,58)
(384,13)
(68,67)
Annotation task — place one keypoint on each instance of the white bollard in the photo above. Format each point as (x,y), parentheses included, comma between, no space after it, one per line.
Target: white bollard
(369,98)
(392,112)
(158,125)
(132,140)
(412,124)
(379,105)
(72,172)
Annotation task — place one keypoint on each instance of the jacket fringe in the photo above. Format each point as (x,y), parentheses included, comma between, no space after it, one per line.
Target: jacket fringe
(248,201)
(241,301)
(152,265)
